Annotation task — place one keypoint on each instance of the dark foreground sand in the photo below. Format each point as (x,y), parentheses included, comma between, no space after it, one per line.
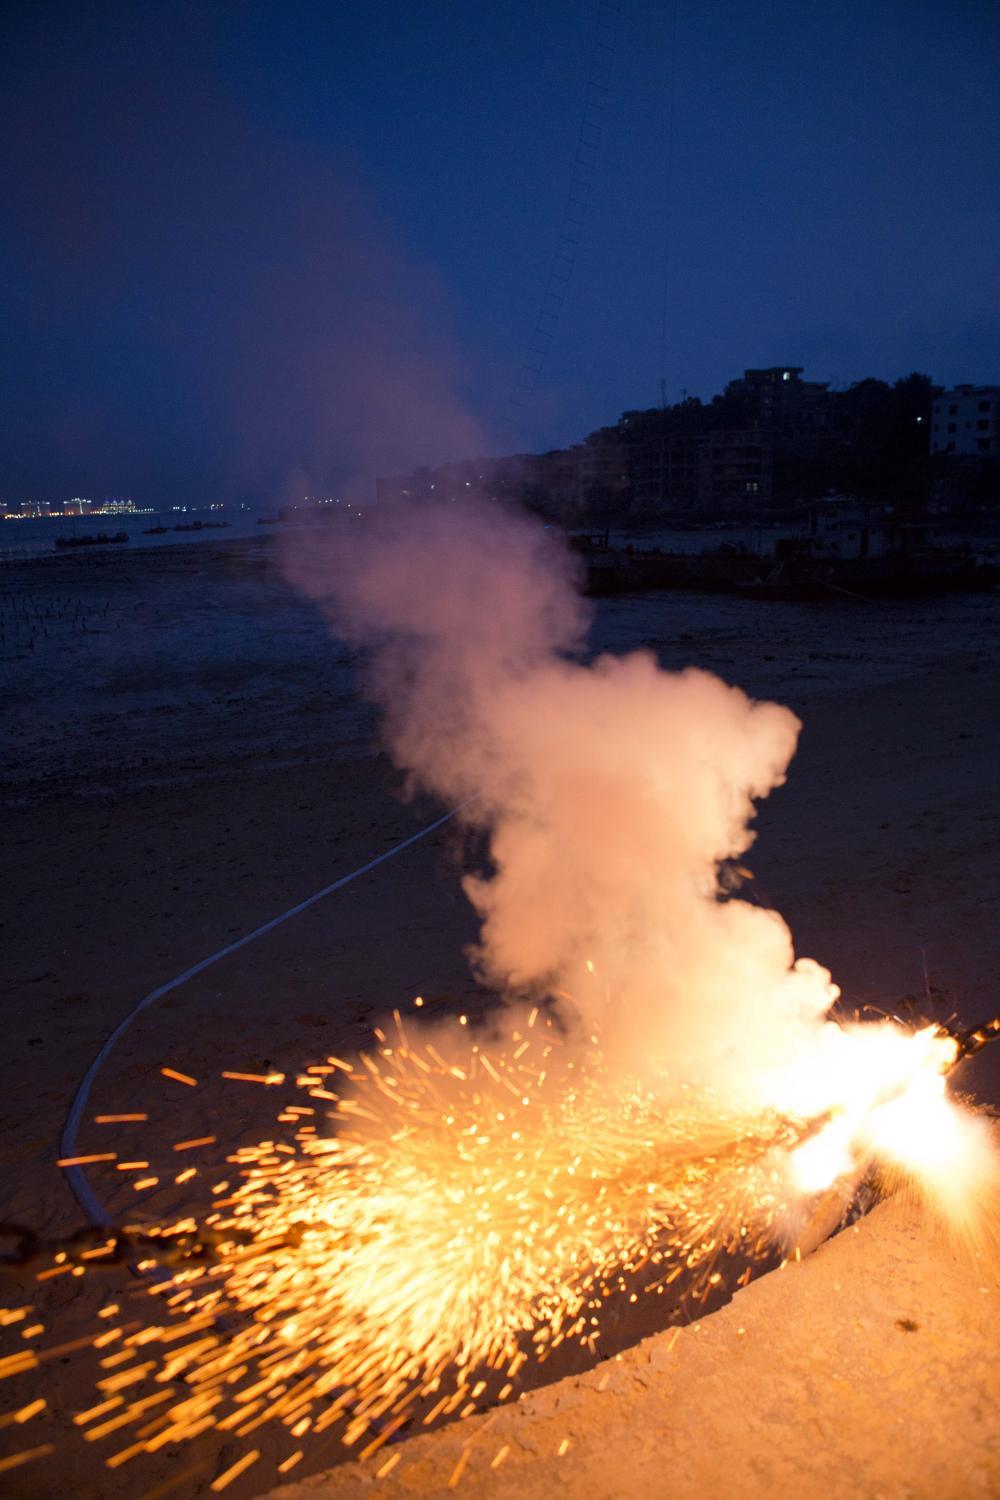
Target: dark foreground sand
(162,799)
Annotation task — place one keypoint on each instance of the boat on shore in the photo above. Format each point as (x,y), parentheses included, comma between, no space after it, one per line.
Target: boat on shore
(98,539)
(798,568)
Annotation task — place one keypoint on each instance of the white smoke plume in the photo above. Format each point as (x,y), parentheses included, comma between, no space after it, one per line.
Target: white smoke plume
(611,790)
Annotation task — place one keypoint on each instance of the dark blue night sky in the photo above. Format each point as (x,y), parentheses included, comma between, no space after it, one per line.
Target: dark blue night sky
(253,248)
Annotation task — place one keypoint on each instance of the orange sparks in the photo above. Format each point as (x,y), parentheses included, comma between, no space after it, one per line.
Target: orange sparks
(25,1414)
(533,1189)
(85,1161)
(17,1459)
(179,1077)
(83,1417)
(459,1469)
(266,1078)
(238,1468)
(118,1119)
(538,1182)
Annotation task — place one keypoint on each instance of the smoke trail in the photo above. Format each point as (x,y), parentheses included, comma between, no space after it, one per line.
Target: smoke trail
(611,791)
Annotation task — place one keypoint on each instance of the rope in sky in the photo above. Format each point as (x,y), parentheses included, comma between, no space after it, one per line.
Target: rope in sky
(603,47)
(667,187)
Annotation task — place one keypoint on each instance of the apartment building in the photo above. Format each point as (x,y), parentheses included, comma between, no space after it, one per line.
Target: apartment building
(966,420)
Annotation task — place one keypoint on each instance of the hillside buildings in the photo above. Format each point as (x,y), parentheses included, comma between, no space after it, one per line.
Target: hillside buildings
(688,460)
(779,401)
(770,443)
(967,420)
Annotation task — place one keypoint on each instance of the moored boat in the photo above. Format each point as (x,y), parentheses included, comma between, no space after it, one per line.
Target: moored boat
(99,539)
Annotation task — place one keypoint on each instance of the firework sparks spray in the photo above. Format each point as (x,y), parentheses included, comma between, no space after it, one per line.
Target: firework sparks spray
(443,1213)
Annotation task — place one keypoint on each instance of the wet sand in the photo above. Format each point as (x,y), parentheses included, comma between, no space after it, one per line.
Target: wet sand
(196,760)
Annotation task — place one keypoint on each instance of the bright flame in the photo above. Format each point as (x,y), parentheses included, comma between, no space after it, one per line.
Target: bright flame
(888,1093)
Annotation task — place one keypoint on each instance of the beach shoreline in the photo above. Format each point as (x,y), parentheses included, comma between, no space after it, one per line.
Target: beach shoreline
(149,822)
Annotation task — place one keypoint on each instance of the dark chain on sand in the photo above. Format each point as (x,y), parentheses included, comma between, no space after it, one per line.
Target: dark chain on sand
(973,1041)
(98,1246)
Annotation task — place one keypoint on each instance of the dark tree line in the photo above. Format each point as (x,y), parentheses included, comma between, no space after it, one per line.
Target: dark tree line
(876,445)
(872,440)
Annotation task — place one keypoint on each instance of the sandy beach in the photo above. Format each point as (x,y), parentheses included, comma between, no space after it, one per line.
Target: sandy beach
(186,755)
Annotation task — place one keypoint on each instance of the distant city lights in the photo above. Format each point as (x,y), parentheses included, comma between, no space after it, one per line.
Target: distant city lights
(79,505)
